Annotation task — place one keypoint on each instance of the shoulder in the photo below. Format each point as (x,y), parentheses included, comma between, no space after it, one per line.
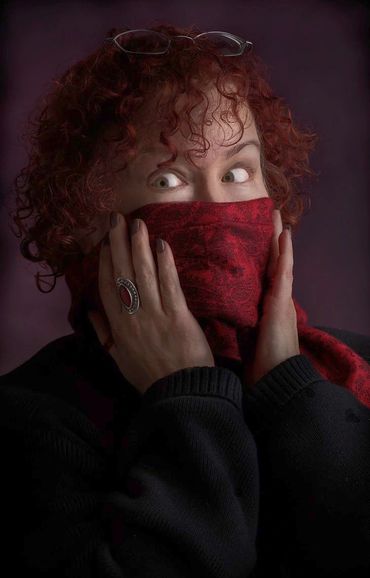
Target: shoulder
(39,382)
(51,362)
(63,367)
(54,377)
(40,400)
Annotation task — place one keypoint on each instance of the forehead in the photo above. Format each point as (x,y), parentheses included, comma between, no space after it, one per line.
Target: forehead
(215,119)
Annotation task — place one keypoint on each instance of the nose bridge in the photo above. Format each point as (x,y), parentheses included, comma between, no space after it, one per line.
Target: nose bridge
(209,188)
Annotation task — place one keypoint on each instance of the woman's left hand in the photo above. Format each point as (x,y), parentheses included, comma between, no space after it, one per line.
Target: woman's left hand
(277,337)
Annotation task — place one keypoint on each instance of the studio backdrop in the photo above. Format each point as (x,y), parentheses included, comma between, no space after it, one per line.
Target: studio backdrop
(317,55)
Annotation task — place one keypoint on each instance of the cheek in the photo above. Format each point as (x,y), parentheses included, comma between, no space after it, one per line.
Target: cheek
(259,191)
(261,187)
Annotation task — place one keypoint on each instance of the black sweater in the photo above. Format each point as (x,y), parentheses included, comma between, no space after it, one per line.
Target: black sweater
(205,478)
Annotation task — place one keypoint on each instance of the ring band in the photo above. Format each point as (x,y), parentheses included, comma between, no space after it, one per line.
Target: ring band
(128,285)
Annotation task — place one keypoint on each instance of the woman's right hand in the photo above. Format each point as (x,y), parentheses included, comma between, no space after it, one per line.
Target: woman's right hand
(163,336)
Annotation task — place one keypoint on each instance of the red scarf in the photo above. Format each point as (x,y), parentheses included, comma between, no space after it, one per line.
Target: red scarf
(221,252)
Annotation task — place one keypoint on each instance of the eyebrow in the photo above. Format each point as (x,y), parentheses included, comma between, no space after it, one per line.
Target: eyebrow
(230,152)
(238,147)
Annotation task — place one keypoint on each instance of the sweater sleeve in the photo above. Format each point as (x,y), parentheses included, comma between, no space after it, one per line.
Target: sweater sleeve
(183,495)
(313,442)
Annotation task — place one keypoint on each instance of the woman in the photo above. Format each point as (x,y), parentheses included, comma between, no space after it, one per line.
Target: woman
(193,423)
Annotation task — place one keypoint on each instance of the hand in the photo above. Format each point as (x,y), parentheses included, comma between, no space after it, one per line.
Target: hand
(277,334)
(163,336)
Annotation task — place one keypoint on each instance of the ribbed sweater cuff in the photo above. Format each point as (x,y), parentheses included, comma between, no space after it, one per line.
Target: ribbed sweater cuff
(263,402)
(210,381)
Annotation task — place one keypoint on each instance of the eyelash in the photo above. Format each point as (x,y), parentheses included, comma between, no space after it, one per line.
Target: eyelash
(249,169)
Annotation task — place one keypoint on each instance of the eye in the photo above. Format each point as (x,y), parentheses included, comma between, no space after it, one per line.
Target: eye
(239,172)
(162,178)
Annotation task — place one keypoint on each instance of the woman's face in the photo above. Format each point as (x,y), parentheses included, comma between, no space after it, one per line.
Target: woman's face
(226,174)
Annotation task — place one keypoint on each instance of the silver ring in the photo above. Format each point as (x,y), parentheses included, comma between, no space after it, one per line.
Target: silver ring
(132,291)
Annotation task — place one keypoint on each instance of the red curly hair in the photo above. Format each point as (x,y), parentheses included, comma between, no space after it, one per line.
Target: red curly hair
(63,186)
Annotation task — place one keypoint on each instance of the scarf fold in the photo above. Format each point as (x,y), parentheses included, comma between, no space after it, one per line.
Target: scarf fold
(221,251)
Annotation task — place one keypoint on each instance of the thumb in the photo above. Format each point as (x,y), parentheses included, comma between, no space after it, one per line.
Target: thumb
(274,247)
(101,329)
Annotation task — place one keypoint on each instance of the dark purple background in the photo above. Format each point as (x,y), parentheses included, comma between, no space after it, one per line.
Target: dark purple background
(317,55)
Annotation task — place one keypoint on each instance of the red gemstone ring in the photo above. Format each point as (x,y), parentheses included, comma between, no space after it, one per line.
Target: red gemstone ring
(128,295)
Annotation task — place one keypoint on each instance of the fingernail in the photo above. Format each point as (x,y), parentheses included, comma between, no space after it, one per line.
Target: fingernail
(135,225)
(113,219)
(160,245)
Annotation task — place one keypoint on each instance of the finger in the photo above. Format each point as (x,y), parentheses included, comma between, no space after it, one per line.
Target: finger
(172,295)
(120,247)
(142,262)
(283,281)
(274,251)
(107,286)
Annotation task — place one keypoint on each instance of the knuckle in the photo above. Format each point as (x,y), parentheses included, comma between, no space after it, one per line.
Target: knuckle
(169,281)
(177,319)
(145,274)
(167,274)
(177,308)
(119,328)
(288,275)
(168,284)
